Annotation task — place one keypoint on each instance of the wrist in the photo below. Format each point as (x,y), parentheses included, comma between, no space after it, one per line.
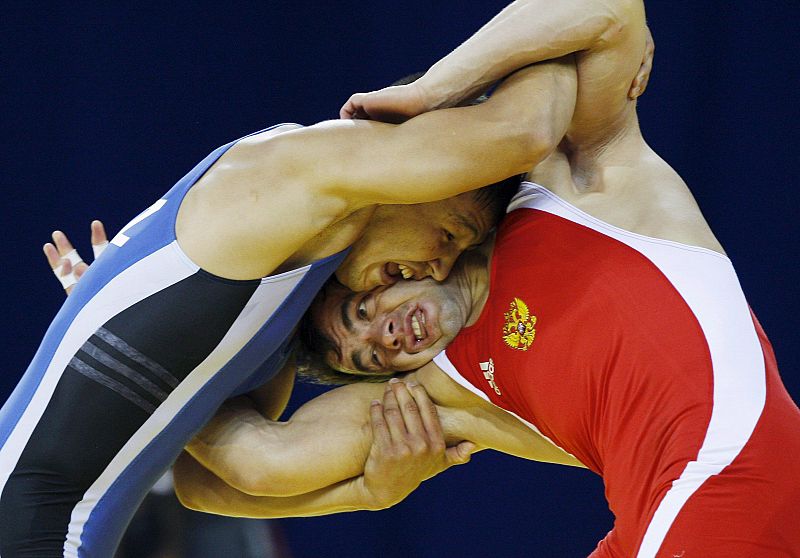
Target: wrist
(434,94)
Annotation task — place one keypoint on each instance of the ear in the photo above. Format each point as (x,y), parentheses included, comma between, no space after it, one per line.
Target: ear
(639,83)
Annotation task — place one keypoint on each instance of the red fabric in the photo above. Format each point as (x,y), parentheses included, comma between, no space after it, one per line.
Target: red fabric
(619,374)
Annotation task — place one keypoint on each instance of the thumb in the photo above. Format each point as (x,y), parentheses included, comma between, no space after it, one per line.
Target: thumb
(353,108)
(460,454)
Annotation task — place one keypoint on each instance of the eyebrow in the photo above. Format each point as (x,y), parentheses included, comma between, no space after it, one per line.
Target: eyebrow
(466,223)
(357,364)
(348,323)
(355,357)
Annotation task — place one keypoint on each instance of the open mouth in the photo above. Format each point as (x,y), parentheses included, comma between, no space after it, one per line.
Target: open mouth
(392,271)
(417,334)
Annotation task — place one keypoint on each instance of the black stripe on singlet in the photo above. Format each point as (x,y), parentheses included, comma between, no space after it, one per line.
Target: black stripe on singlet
(109,389)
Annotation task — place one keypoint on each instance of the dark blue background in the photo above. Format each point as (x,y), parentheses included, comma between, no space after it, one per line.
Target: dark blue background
(104,108)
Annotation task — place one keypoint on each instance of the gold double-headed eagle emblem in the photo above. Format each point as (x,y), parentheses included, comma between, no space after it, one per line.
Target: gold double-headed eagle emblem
(518,332)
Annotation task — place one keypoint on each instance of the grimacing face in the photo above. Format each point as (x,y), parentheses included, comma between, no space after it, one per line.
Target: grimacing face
(390,328)
(414,241)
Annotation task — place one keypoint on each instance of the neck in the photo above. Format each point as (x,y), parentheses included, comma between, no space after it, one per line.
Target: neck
(589,161)
(471,279)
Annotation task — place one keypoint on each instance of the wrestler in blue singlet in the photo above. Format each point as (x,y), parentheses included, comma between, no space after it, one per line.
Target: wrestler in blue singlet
(136,361)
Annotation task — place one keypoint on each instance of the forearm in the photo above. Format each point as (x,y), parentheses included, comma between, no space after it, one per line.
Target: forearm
(201,490)
(326,441)
(525,32)
(442,153)
(407,447)
(234,443)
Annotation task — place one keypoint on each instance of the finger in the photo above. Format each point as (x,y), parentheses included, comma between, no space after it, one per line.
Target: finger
(392,414)
(61,267)
(64,274)
(80,269)
(459,454)
(64,269)
(428,412)
(52,256)
(62,243)
(349,108)
(353,109)
(98,232)
(409,410)
(99,238)
(65,249)
(380,431)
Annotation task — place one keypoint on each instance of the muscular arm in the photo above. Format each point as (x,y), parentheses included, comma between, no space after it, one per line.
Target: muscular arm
(525,32)
(200,489)
(608,39)
(324,441)
(405,446)
(438,154)
(328,440)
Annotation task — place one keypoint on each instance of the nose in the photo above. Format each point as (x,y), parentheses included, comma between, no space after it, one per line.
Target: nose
(389,333)
(441,267)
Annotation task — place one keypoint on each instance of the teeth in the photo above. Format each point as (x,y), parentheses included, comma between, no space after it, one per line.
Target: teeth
(405,271)
(416,327)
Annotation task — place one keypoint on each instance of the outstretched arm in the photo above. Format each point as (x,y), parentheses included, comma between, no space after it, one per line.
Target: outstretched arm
(525,32)
(407,447)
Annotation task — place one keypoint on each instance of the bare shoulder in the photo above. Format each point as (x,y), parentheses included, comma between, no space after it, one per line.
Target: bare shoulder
(645,196)
(250,213)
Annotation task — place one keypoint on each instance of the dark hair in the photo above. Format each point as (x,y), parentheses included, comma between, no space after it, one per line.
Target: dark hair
(410,78)
(313,345)
(496,197)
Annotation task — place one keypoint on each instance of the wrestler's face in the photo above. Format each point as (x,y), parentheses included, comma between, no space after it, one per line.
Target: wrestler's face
(419,240)
(390,328)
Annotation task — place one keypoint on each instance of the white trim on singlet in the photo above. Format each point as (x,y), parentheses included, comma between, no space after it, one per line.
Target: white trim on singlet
(442,361)
(149,275)
(258,310)
(708,284)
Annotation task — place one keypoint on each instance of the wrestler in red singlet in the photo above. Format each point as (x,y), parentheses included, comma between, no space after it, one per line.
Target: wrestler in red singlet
(641,358)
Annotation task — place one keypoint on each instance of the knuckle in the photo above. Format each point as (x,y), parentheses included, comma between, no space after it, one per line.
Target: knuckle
(378,422)
(420,447)
(411,407)
(403,452)
(391,411)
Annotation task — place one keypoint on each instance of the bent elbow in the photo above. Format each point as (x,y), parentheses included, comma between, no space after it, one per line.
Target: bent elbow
(269,483)
(263,476)
(189,494)
(529,146)
(253,482)
(540,142)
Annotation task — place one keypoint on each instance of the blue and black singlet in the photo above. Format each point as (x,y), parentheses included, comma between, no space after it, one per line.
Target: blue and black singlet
(136,361)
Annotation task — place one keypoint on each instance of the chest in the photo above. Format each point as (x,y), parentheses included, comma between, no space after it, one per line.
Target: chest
(576,322)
